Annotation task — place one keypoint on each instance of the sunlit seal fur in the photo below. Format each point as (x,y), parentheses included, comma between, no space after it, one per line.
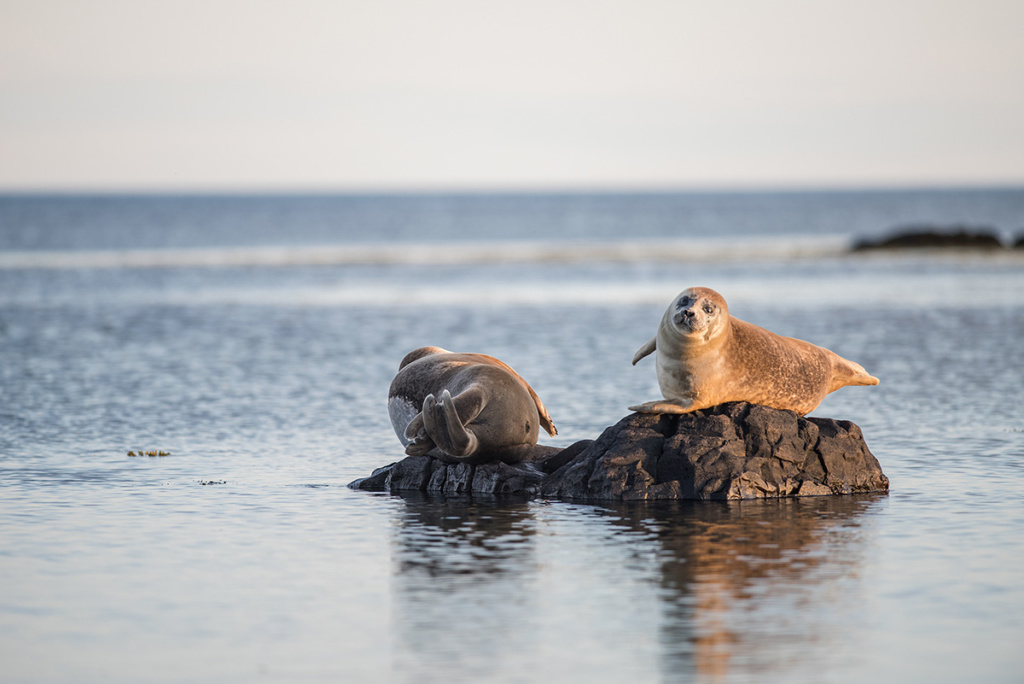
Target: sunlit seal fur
(464,408)
(706,358)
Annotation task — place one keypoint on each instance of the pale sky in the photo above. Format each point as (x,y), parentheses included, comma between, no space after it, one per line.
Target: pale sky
(528,94)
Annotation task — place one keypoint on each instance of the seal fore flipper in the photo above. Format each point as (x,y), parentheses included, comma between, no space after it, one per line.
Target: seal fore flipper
(419,441)
(542,413)
(645,350)
(661,406)
(415,426)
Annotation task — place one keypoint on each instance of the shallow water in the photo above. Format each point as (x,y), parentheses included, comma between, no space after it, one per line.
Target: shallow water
(243,556)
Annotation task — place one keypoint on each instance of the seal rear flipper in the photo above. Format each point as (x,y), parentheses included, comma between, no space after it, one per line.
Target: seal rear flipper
(645,350)
(846,373)
(442,421)
(864,379)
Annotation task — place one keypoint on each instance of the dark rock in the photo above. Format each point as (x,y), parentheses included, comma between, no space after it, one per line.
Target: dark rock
(426,474)
(1019,242)
(733,451)
(917,237)
(563,456)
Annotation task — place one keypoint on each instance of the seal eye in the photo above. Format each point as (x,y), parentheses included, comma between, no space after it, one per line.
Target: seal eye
(708,309)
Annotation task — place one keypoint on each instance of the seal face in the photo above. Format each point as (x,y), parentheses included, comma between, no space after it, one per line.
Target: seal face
(462,407)
(693,315)
(705,357)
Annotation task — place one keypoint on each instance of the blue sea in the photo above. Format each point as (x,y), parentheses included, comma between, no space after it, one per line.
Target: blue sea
(248,342)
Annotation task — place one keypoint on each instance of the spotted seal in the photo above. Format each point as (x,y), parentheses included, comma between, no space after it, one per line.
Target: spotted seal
(462,407)
(707,357)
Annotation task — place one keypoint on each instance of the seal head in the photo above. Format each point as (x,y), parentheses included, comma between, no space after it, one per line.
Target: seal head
(698,312)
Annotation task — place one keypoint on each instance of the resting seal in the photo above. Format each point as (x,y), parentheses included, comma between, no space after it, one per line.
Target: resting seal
(464,408)
(706,357)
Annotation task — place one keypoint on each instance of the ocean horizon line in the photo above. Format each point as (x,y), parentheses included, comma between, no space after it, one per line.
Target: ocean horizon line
(511,190)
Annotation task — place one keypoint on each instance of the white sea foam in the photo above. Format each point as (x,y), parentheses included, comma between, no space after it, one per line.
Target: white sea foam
(744,292)
(798,280)
(461,253)
(647,250)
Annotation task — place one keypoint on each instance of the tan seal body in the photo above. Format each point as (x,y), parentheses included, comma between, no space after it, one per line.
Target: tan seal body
(464,408)
(706,358)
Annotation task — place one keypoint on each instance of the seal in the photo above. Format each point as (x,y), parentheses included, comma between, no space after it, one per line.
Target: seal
(706,357)
(462,407)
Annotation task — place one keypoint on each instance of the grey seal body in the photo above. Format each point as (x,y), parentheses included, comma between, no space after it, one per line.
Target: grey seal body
(462,407)
(705,358)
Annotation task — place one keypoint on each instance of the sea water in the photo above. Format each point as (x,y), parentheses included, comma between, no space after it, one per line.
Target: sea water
(251,341)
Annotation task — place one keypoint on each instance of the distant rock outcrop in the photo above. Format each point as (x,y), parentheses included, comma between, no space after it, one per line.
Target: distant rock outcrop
(732,451)
(934,237)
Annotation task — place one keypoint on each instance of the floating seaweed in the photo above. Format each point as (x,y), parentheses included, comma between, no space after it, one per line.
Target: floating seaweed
(152,453)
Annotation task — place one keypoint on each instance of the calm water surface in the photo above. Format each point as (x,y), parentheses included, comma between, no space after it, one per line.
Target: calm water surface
(242,556)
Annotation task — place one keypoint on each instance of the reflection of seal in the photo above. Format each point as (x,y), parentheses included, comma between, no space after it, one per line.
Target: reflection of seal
(464,407)
(706,358)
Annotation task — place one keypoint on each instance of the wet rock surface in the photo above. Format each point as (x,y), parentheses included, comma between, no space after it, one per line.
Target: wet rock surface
(732,451)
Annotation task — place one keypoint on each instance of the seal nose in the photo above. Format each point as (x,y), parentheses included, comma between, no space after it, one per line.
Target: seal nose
(684,317)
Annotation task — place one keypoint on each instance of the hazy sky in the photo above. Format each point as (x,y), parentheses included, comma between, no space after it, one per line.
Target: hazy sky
(384,94)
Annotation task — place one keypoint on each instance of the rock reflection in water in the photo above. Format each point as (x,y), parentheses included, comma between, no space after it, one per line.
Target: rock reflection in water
(457,562)
(744,589)
(750,587)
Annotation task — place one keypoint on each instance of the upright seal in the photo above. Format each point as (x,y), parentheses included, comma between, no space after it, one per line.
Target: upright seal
(706,358)
(464,408)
